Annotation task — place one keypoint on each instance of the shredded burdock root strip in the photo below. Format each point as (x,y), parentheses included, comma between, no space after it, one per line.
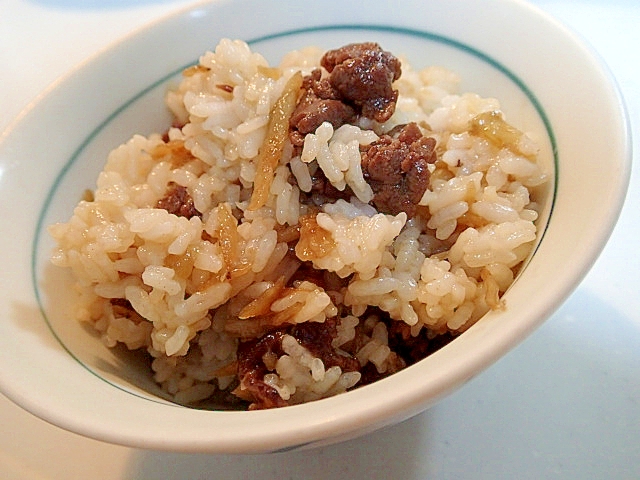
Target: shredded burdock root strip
(492,296)
(257,318)
(229,240)
(314,241)
(262,314)
(173,151)
(193,69)
(262,304)
(492,126)
(273,145)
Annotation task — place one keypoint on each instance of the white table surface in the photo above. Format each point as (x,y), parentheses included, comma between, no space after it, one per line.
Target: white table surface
(563,405)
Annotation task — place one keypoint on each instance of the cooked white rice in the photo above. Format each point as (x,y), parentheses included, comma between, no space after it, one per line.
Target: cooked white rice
(177,286)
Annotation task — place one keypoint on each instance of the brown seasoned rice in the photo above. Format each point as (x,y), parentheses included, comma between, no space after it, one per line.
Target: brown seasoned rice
(189,289)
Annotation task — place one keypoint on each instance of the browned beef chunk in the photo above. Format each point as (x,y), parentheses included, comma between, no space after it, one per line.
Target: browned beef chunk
(316,337)
(359,83)
(320,103)
(396,167)
(322,191)
(311,116)
(178,201)
(363,74)
(251,370)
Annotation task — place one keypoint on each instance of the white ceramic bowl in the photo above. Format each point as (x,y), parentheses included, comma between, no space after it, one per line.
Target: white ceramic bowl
(546,80)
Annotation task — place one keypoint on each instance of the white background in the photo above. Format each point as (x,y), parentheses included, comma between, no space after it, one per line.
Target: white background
(563,405)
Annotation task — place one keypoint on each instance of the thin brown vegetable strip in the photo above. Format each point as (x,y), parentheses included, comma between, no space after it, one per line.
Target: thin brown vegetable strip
(491,126)
(229,241)
(271,151)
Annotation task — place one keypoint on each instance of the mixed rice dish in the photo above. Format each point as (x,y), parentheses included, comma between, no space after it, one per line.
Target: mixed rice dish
(302,229)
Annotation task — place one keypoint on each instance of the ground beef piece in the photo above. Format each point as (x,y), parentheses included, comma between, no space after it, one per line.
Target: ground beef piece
(251,370)
(370,373)
(359,83)
(323,191)
(178,201)
(320,103)
(396,168)
(317,338)
(363,74)
(310,117)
